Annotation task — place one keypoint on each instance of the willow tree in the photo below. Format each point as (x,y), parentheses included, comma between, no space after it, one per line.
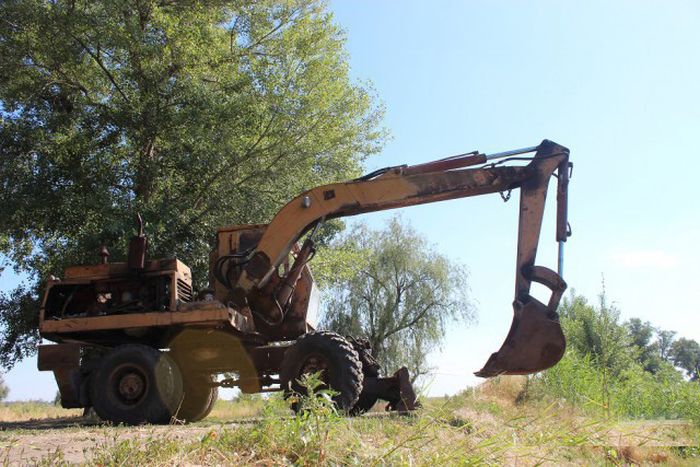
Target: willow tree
(195,114)
(399,293)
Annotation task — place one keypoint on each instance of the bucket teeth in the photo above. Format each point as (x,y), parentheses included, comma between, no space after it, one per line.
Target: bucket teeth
(535,342)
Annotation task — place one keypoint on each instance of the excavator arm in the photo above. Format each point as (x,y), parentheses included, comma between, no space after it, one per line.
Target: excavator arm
(535,340)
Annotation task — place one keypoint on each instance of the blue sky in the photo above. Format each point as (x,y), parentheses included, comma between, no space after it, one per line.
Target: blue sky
(616,82)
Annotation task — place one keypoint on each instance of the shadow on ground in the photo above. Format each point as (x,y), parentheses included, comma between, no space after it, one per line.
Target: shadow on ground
(50,423)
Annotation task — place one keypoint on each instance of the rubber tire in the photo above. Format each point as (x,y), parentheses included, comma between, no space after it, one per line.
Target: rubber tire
(162,396)
(370,368)
(212,402)
(344,373)
(198,399)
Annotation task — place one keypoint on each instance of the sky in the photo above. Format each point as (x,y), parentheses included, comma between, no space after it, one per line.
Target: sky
(615,82)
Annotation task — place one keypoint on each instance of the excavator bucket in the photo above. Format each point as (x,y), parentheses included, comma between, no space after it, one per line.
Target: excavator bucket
(535,342)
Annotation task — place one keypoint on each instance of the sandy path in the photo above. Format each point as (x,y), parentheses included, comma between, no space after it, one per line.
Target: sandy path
(76,438)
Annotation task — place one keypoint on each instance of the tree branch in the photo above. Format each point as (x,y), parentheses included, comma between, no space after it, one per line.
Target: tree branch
(417,318)
(98,60)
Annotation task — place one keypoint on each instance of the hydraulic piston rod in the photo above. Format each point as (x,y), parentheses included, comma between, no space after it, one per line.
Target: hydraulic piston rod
(513,152)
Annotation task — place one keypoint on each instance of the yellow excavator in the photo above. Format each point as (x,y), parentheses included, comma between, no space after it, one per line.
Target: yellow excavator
(135,342)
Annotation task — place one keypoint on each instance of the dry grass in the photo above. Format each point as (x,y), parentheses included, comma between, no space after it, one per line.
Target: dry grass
(34,410)
(491,424)
(250,406)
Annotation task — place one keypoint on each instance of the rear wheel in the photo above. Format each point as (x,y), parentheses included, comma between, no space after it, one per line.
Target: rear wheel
(136,384)
(370,370)
(330,355)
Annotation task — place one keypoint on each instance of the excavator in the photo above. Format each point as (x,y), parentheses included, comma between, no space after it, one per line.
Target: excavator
(135,341)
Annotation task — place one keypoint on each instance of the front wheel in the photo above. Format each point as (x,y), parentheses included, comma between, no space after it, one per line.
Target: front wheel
(136,384)
(330,355)
(199,398)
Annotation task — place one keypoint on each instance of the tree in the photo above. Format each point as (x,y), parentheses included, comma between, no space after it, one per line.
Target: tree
(642,334)
(400,297)
(686,354)
(596,331)
(640,331)
(4,390)
(665,340)
(196,114)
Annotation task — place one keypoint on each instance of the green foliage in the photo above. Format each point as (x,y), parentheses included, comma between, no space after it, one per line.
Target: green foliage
(596,331)
(642,335)
(398,292)
(315,422)
(618,369)
(663,394)
(686,354)
(633,393)
(196,114)
(338,263)
(303,439)
(664,343)
(4,390)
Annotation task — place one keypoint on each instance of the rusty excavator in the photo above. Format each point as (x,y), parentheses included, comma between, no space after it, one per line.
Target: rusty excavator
(134,341)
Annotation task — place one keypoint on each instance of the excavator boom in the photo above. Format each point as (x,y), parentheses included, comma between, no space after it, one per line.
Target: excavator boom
(535,340)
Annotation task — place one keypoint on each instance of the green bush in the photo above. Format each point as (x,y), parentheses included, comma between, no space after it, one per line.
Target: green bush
(617,369)
(633,393)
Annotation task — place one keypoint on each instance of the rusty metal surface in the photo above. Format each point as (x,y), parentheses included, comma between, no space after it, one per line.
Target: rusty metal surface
(454,162)
(64,361)
(535,342)
(55,356)
(210,315)
(388,191)
(397,390)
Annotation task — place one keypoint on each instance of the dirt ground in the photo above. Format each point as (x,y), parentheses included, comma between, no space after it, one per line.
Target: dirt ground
(76,438)
(36,433)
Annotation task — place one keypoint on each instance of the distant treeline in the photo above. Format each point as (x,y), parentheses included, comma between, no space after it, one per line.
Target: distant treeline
(629,368)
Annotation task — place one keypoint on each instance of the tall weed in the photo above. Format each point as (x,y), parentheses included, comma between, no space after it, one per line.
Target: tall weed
(633,393)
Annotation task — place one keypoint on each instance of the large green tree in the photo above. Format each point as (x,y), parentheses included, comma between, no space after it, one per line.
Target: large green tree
(398,292)
(642,335)
(196,114)
(665,341)
(686,354)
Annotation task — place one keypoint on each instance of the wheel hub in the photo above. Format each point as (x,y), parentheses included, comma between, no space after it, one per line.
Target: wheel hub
(316,364)
(131,387)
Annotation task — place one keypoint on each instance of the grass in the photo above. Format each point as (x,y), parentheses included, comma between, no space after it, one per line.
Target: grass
(633,393)
(244,406)
(492,424)
(34,410)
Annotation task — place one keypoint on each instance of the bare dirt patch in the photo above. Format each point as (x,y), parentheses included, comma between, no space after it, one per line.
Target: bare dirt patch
(74,440)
